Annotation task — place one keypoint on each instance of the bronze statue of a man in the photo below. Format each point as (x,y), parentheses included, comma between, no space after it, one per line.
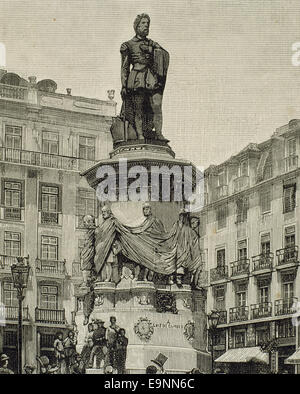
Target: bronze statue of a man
(143,76)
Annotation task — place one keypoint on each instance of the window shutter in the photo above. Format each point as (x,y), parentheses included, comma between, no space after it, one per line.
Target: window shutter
(59,198)
(2,192)
(22,194)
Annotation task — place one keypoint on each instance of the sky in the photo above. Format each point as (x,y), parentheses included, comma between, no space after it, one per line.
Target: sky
(231,80)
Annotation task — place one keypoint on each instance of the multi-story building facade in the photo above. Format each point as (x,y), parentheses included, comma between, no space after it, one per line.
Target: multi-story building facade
(46,140)
(250,237)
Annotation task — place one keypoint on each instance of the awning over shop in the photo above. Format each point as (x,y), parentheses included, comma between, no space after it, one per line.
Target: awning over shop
(244,355)
(294,358)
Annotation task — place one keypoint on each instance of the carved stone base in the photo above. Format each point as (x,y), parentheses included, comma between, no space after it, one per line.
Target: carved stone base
(181,336)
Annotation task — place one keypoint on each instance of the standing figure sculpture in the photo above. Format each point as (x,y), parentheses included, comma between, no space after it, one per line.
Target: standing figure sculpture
(88,251)
(144,70)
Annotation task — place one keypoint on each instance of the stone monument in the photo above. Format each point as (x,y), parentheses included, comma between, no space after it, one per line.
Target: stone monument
(141,265)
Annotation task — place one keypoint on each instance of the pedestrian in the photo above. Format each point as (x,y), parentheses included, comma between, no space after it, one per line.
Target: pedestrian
(28,369)
(59,352)
(121,351)
(70,351)
(4,370)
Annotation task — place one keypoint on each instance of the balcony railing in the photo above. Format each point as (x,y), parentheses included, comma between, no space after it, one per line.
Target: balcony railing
(7,261)
(291,163)
(44,159)
(287,255)
(223,317)
(219,273)
(222,191)
(286,306)
(13,92)
(240,183)
(49,217)
(50,316)
(240,313)
(12,313)
(263,261)
(52,267)
(261,310)
(240,267)
(76,269)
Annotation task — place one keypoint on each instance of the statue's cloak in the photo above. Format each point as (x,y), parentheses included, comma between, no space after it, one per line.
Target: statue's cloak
(150,245)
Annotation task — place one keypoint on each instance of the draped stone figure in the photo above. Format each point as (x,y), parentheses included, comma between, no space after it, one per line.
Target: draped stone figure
(88,251)
(144,67)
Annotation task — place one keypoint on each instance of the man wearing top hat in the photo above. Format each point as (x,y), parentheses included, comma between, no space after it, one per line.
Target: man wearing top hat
(159,362)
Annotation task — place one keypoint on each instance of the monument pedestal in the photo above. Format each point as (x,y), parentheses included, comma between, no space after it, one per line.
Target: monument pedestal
(157,319)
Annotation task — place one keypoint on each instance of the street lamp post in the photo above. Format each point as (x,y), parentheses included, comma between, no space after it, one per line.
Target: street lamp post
(213,321)
(20,274)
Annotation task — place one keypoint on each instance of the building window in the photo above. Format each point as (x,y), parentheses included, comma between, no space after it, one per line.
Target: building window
(49,248)
(265,245)
(219,296)
(9,294)
(263,294)
(242,205)
(50,142)
(12,199)
(289,198)
(13,137)
(285,329)
(221,217)
(222,178)
(288,290)
(243,168)
(12,244)
(49,297)
(289,239)
(86,205)
(241,295)
(239,339)
(265,201)
(268,168)
(87,148)
(221,258)
(242,250)
(262,335)
(291,147)
(50,200)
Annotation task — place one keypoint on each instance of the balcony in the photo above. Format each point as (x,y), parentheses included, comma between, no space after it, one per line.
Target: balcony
(261,310)
(287,256)
(17,93)
(219,273)
(286,306)
(222,191)
(40,159)
(6,262)
(291,163)
(50,267)
(49,218)
(240,267)
(263,261)
(49,316)
(240,313)
(12,313)
(240,183)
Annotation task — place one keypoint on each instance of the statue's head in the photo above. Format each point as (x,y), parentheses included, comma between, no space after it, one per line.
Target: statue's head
(147,209)
(89,221)
(106,212)
(141,25)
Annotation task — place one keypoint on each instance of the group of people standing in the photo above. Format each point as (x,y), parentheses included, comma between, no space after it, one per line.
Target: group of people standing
(105,347)
(65,353)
